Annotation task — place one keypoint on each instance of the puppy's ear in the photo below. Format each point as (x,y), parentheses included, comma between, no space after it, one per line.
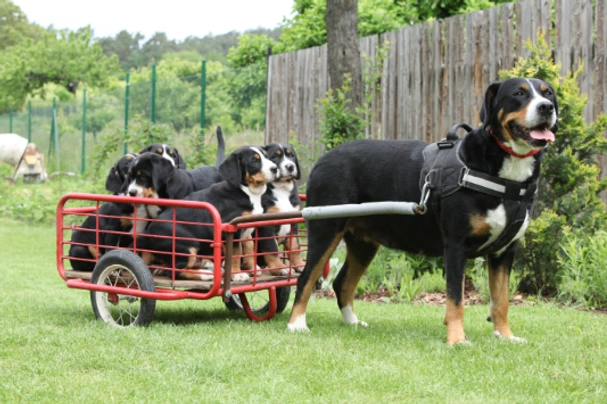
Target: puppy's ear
(296,162)
(230,170)
(113,183)
(489,103)
(162,172)
(180,161)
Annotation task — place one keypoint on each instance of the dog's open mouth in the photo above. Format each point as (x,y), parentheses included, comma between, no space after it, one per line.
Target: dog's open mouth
(541,132)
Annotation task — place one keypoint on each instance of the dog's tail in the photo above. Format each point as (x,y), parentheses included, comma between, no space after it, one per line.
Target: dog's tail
(221,148)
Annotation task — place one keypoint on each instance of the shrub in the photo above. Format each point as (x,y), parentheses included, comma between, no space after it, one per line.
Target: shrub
(584,273)
(570,183)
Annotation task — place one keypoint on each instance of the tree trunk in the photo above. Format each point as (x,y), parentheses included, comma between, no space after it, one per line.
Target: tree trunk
(343,52)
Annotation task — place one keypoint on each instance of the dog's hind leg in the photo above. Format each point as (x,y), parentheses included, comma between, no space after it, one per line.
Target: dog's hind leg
(360,254)
(455,264)
(499,275)
(323,238)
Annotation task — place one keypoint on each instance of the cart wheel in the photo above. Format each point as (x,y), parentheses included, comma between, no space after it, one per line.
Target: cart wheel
(260,301)
(124,269)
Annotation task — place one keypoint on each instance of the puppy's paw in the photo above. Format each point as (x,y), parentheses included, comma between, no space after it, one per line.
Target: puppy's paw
(512,338)
(240,277)
(350,317)
(279,272)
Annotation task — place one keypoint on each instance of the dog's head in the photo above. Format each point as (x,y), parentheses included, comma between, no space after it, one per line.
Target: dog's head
(250,167)
(285,158)
(118,173)
(148,174)
(168,152)
(522,113)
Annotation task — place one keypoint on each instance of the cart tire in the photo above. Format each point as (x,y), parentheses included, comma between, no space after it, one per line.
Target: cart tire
(124,268)
(259,300)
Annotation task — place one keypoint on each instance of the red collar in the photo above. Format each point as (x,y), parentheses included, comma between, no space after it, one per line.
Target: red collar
(509,150)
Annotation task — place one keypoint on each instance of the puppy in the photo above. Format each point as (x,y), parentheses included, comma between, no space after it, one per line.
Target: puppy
(247,171)
(118,173)
(115,221)
(481,195)
(283,196)
(168,152)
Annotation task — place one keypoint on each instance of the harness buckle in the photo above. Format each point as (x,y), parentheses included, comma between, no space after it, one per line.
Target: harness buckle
(423,200)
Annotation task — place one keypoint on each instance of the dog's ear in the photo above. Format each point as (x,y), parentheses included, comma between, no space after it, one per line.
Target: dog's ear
(180,161)
(296,162)
(488,103)
(230,170)
(113,183)
(161,173)
(555,128)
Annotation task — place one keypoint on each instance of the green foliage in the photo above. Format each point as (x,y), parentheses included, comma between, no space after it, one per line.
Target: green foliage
(341,122)
(569,186)
(584,273)
(61,57)
(15,26)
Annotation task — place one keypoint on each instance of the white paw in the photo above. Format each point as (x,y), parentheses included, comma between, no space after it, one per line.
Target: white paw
(513,339)
(280,272)
(299,325)
(299,269)
(240,277)
(206,277)
(350,318)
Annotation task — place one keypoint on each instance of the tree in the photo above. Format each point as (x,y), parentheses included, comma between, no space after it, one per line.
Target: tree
(14,26)
(123,45)
(66,58)
(343,53)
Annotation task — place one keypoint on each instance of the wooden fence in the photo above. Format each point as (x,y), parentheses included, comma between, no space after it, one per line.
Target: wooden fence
(436,73)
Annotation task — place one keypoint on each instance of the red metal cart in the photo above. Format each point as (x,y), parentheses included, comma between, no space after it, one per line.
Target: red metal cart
(124,289)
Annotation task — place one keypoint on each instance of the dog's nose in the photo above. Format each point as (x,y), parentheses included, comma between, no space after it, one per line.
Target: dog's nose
(274,169)
(290,168)
(132,192)
(545,108)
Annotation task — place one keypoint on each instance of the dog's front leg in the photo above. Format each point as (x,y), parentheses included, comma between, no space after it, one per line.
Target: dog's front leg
(499,275)
(455,265)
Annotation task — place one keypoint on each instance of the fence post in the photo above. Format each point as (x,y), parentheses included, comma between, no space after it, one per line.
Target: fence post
(126,110)
(29,121)
(203,98)
(10,120)
(54,143)
(153,93)
(82,166)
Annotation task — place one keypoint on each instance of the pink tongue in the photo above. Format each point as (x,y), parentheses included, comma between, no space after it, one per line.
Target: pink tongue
(544,134)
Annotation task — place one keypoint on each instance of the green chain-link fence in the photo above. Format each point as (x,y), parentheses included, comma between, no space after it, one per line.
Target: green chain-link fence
(177,110)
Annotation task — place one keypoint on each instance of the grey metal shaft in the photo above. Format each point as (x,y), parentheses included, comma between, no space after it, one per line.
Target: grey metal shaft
(359,209)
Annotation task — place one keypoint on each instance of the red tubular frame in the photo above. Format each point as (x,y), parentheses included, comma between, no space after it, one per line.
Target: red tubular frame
(164,292)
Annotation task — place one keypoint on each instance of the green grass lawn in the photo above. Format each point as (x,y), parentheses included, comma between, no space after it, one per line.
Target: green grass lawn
(53,350)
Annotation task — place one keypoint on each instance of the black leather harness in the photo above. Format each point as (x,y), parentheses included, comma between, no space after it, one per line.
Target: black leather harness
(444,174)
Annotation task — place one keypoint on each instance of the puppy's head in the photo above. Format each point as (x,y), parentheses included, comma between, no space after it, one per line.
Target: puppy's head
(250,167)
(522,113)
(148,174)
(118,173)
(285,158)
(168,152)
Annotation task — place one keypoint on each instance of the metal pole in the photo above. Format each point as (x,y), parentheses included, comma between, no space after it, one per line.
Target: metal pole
(29,121)
(267,130)
(83,165)
(203,100)
(153,93)
(126,111)
(10,120)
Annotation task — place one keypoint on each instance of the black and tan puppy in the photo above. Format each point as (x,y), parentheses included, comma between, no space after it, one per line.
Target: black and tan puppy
(117,176)
(114,221)
(481,211)
(247,171)
(168,152)
(283,196)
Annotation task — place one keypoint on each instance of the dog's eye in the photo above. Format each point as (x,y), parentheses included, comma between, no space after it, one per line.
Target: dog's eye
(548,92)
(519,93)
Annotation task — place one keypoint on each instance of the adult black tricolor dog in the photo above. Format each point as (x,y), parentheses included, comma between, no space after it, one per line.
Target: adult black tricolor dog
(482,192)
